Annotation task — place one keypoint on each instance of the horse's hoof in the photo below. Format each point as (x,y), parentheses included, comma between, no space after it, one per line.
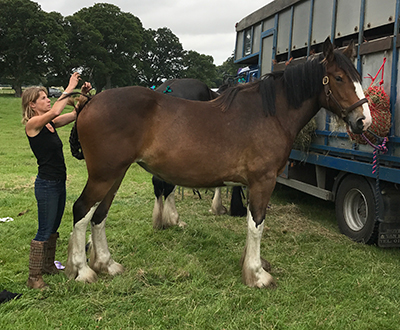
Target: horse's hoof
(115,269)
(70,272)
(86,275)
(182,224)
(266,281)
(219,211)
(258,279)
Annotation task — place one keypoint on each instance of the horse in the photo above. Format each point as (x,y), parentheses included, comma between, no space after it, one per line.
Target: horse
(164,212)
(247,132)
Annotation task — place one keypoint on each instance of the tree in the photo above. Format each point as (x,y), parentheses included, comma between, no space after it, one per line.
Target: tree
(200,66)
(161,57)
(59,64)
(27,36)
(121,33)
(83,46)
(227,70)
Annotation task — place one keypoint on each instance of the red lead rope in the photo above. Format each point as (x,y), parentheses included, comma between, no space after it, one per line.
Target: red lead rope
(382,68)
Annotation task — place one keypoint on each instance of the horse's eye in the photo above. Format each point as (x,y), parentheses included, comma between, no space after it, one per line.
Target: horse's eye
(338,79)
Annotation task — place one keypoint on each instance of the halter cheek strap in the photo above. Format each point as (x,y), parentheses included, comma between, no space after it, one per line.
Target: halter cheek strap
(329,96)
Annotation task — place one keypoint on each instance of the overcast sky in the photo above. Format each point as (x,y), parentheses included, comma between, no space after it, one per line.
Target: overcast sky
(206,26)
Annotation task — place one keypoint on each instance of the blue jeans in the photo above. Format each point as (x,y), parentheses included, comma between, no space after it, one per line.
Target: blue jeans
(50,197)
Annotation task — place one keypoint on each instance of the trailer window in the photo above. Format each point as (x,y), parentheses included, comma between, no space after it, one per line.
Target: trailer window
(247,42)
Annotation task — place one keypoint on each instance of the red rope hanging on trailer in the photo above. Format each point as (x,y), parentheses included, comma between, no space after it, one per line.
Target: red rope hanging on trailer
(379,104)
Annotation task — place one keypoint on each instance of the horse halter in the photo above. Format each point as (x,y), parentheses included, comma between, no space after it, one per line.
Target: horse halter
(329,96)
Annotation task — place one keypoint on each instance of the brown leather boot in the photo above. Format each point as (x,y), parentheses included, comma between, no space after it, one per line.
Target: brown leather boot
(49,255)
(36,260)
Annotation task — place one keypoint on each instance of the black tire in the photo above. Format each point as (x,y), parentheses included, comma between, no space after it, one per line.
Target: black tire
(355,210)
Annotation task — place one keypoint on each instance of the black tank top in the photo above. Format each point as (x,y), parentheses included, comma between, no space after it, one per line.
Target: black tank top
(48,150)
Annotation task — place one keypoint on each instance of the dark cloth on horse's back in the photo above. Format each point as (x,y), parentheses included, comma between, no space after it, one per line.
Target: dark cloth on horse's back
(187,88)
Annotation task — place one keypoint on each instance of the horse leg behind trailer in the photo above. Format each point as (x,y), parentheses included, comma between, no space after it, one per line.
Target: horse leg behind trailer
(249,131)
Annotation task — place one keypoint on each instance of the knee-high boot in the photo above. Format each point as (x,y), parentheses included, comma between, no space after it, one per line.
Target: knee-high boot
(49,255)
(36,260)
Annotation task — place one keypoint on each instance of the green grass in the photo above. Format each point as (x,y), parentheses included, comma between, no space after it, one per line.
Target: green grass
(189,278)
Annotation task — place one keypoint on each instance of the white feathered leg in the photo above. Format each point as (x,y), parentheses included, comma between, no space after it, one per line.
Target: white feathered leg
(100,256)
(216,207)
(76,267)
(253,273)
(170,213)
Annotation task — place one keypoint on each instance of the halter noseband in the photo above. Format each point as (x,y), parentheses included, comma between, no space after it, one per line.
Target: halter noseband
(329,96)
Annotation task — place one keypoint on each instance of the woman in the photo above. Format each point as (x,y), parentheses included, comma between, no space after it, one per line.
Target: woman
(41,120)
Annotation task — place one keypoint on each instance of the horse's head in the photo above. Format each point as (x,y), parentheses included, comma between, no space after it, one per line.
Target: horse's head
(343,93)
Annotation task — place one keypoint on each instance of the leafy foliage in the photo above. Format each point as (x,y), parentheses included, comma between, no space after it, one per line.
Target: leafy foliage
(109,47)
(31,43)
(161,57)
(227,70)
(112,63)
(200,66)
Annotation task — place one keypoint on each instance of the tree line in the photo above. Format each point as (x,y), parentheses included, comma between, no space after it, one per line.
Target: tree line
(108,47)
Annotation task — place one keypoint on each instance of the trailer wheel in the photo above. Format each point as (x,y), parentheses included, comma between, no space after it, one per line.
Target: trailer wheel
(355,210)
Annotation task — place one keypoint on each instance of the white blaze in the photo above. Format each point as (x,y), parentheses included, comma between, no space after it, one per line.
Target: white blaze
(366,112)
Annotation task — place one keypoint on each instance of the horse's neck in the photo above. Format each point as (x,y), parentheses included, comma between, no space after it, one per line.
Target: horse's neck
(295,119)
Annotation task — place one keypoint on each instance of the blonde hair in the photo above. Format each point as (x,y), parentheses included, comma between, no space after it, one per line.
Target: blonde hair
(29,95)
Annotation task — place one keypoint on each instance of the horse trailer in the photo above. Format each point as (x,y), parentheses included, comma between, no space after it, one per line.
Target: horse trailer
(361,177)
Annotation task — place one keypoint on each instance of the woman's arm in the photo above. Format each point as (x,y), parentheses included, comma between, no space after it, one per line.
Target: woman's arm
(70,117)
(37,122)
(64,119)
(60,104)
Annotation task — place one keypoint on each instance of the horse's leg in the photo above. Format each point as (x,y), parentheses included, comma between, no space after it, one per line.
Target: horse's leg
(84,209)
(237,207)
(100,256)
(165,214)
(216,207)
(76,267)
(253,272)
(170,213)
(158,204)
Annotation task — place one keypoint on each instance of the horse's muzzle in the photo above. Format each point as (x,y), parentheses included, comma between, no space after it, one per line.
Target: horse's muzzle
(358,126)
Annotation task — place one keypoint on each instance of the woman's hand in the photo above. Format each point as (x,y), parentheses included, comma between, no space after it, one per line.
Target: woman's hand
(73,82)
(86,87)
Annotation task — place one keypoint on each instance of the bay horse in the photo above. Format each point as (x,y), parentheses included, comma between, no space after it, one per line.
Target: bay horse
(244,136)
(164,212)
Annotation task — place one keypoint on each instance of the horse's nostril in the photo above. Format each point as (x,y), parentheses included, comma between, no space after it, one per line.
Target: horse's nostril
(360,124)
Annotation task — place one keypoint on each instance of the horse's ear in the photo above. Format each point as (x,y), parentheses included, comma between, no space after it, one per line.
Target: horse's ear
(327,50)
(350,50)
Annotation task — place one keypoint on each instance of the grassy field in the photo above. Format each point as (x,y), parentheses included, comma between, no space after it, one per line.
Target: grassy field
(189,278)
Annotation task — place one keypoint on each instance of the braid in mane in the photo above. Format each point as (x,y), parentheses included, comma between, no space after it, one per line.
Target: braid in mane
(74,144)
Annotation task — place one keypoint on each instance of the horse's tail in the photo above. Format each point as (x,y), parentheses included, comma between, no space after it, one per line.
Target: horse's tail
(74,142)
